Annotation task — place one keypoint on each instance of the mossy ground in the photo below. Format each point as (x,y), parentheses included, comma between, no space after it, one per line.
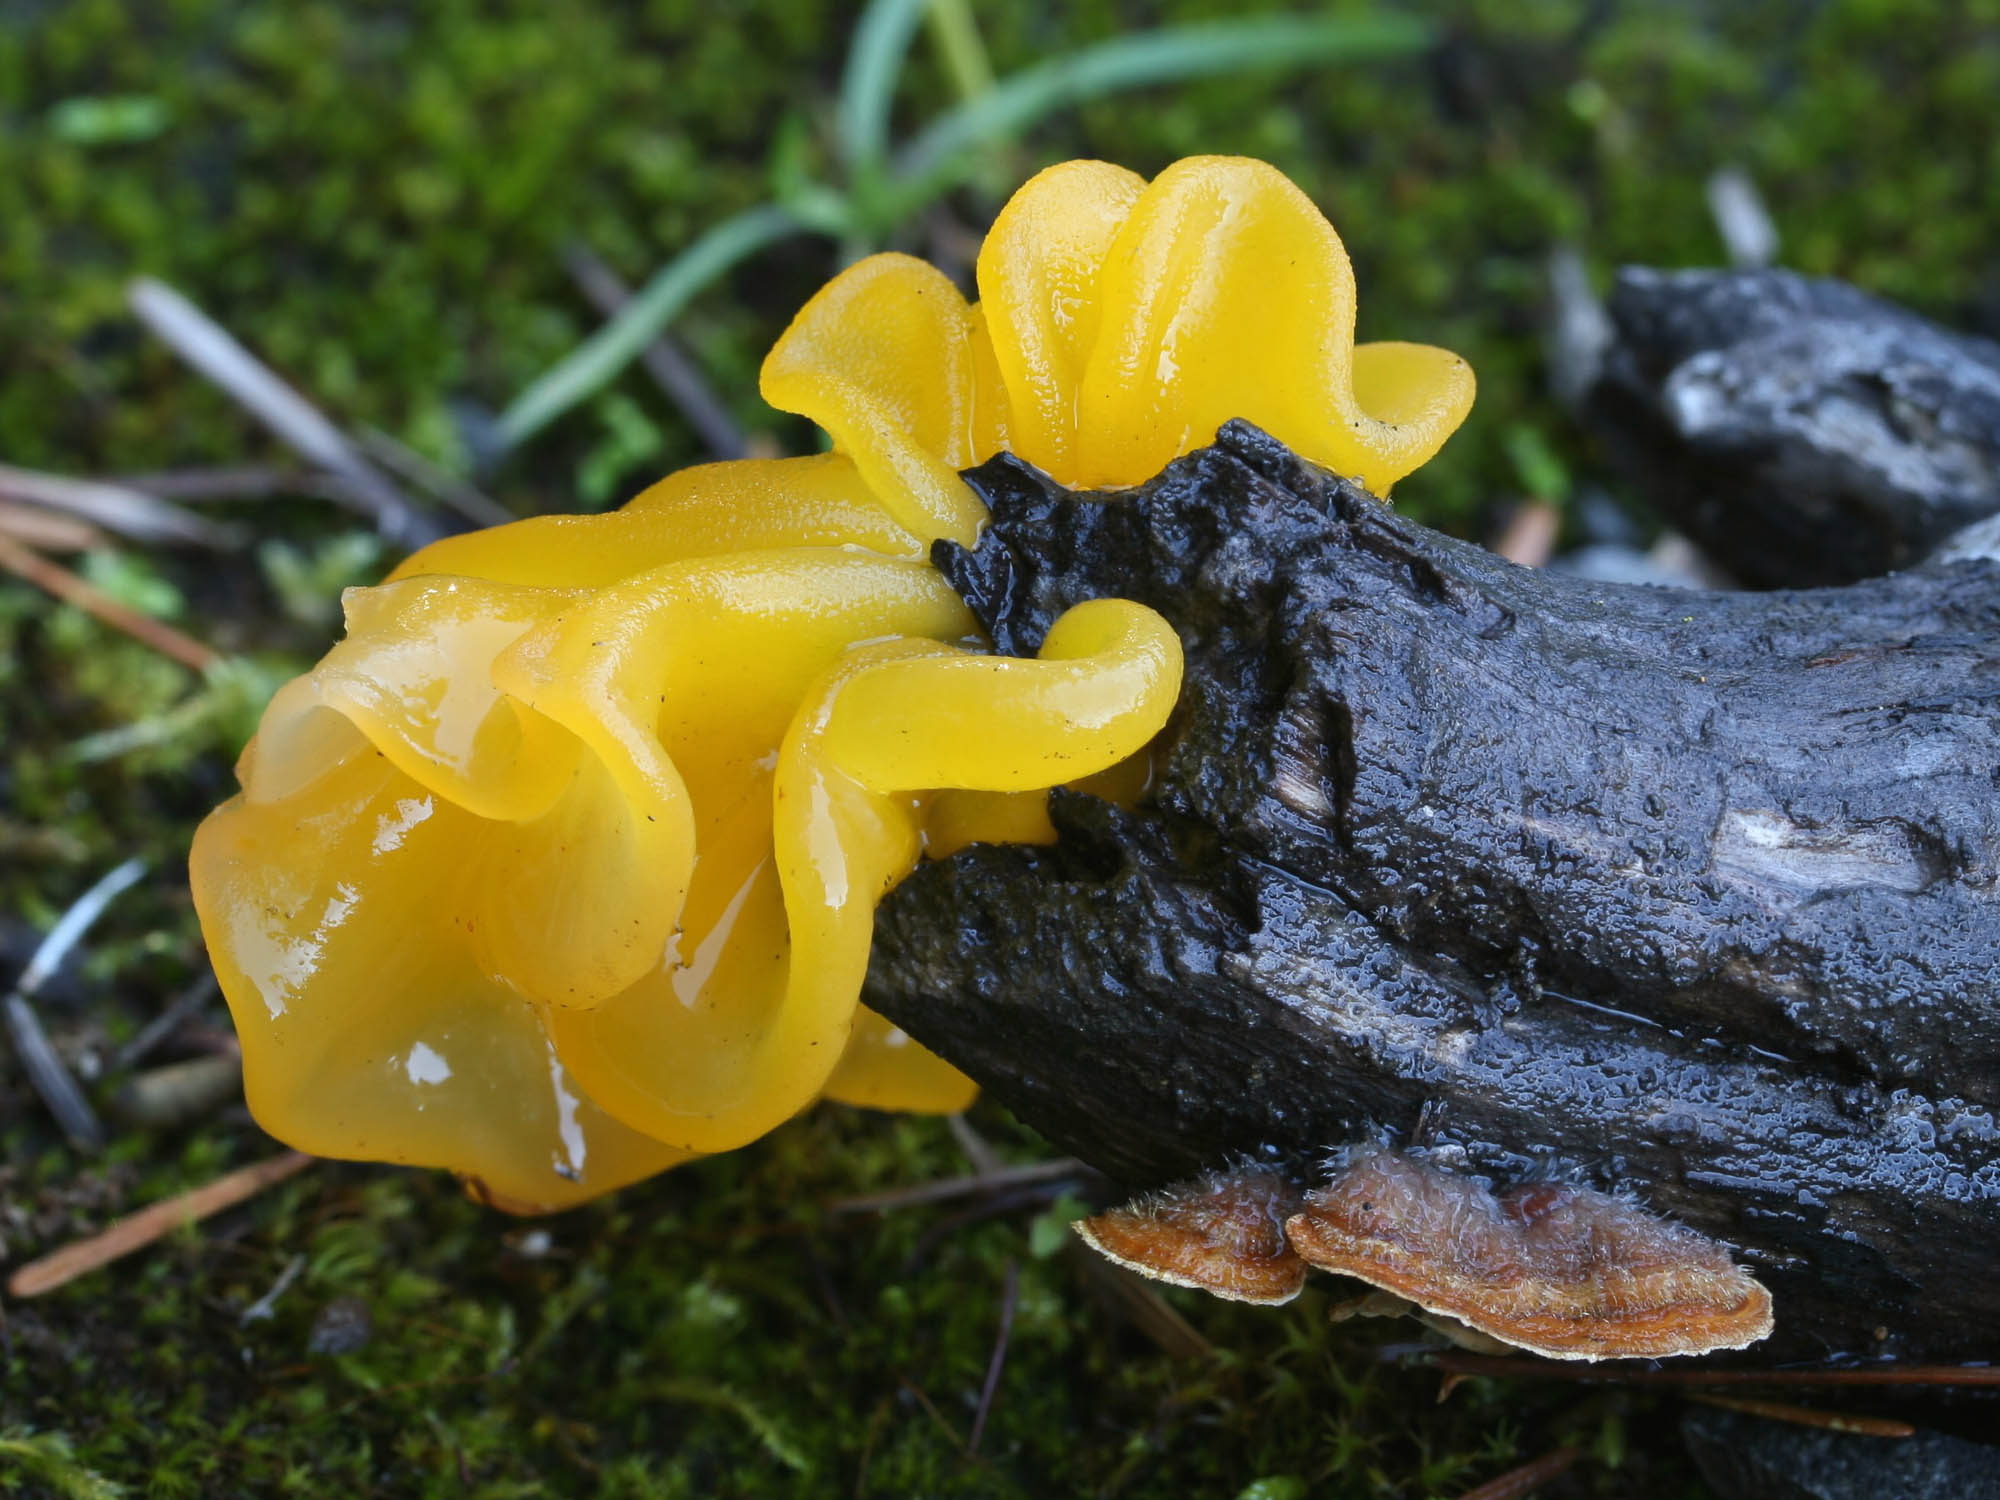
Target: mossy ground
(376,197)
(720,1331)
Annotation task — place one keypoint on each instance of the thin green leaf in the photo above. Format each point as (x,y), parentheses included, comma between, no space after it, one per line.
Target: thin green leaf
(937,158)
(598,359)
(868,83)
(957,36)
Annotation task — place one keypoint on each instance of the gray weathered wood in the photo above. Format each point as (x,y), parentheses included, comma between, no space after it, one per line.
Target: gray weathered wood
(1799,429)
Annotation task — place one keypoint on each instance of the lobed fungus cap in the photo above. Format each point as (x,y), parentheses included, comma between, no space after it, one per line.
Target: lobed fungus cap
(1120,324)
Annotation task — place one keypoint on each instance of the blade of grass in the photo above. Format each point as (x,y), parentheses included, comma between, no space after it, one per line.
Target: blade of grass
(937,158)
(957,36)
(595,362)
(868,82)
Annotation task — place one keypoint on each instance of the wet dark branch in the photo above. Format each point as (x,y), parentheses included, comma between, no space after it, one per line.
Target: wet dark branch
(1686,894)
(1800,430)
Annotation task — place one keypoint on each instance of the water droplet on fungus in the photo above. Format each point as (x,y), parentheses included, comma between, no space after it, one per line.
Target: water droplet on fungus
(1549,1267)
(1223,1232)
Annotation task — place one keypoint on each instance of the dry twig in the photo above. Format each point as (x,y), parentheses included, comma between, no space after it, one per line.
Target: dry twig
(230,482)
(1010,1298)
(45,1068)
(1805,1416)
(152,1223)
(212,350)
(50,1078)
(53,578)
(978,1150)
(1525,1480)
(1171,1333)
(671,369)
(116,507)
(180,1093)
(1530,534)
(47,529)
(265,1305)
(1549,1369)
(947,1188)
(183,1006)
(471,502)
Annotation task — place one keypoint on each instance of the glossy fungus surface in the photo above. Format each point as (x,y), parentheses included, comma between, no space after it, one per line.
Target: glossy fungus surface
(1223,1233)
(561,866)
(1120,323)
(1561,1270)
(556,886)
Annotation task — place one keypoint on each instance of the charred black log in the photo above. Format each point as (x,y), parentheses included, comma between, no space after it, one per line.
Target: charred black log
(1686,894)
(1804,431)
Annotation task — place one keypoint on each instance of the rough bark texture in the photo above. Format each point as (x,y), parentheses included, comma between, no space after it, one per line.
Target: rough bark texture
(1804,431)
(1691,895)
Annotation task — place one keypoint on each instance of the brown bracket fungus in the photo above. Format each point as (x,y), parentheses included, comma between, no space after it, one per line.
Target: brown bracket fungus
(1549,1267)
(1223,1233)
(1557,1269)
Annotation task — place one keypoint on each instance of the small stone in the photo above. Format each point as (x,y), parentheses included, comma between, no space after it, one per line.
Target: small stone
(343,1326)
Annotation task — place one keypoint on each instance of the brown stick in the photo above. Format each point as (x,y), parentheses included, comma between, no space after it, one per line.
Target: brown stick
(1805,1416)
(55,579)
(1491,1364)
(48,529)
(946,1188)
(1525,1480)
(152,1223)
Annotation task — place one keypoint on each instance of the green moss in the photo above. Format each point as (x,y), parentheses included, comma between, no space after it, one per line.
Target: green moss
(376,198)
(720,1331)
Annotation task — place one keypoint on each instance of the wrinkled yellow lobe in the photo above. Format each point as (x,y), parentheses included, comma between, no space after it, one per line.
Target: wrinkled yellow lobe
(881,726)
(561,867)
(1038,281)
(740,506)
(1127,322)
(883,358)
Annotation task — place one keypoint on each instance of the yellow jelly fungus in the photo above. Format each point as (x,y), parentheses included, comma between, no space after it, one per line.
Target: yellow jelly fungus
(561,867)
(556,886)
(1120,324)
